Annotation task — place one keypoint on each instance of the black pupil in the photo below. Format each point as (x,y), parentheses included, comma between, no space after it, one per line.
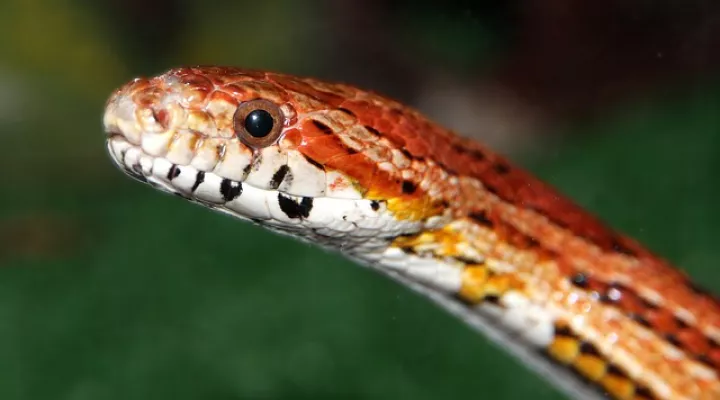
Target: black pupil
(259,123)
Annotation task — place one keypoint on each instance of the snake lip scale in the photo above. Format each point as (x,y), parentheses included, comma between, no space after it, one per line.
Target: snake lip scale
(349,170)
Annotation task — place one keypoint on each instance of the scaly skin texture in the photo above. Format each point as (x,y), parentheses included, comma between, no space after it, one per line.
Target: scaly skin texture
(495,240)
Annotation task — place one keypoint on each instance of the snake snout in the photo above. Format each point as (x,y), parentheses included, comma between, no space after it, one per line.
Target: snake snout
(119,118)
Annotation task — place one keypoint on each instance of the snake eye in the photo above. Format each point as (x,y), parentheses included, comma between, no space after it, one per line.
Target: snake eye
(258,123)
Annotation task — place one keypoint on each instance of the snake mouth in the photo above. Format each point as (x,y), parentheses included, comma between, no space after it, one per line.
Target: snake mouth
(186,181)
(118,148)
(351,222)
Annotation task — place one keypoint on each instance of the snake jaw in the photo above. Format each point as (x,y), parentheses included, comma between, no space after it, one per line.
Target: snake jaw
(355,226)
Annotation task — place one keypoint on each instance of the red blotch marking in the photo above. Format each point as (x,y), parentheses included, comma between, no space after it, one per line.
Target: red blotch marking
(662,320)
(714,356)
(693,341)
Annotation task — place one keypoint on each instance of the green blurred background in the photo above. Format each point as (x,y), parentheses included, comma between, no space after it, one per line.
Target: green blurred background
(110,290)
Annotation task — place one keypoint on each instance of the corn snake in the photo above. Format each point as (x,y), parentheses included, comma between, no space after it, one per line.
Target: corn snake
(353,171)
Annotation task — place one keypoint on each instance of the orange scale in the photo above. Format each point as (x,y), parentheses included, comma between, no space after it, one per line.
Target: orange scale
(322,149)
(631,303)
(360,168)
(596,285)
(714,356)
(478,167)
(309,129)
(292,137)
(708,305)
(235,90)
(359,110)
(663,321)
(225,96)
(197,80)
(693,341)
(407,132)
(148,97)
(417,148)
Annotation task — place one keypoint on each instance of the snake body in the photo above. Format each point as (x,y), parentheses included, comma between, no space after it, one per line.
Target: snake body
(353,171)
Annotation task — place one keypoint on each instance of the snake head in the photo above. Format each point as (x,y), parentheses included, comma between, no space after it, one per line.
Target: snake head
(271,148)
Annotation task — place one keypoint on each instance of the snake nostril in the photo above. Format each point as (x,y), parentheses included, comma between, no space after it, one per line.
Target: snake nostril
(162,116)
